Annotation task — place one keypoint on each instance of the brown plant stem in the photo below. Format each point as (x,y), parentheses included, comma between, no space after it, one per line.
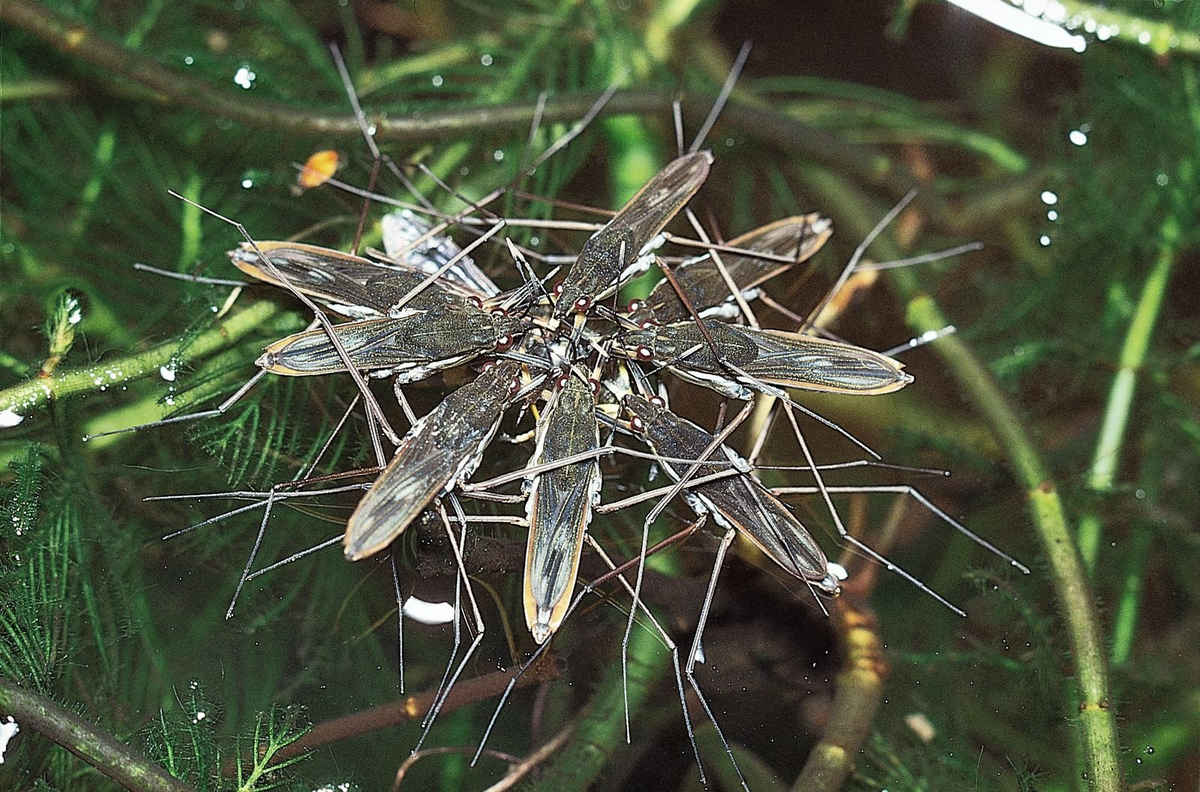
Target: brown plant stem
(859,691)
(99,749)
(414,707)
(76,40)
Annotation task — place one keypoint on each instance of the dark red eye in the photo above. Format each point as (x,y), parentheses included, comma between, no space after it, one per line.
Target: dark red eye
(636,424)
(594,386)
(488,366)
(558,288)
(583,303)
(645,353)
(499,312)
(513,387)
(562,381)
(504,342)
(473,300)
(658,401)
(636,305)
(646,325)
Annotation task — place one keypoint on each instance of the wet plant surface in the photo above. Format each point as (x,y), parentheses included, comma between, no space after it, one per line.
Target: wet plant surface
(1065,406)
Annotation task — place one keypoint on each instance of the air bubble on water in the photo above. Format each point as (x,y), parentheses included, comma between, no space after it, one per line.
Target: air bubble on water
(1139,493)
(247,183)
(188,60)
(1052,215)
(1049,198)
(1078,137)
(498,155)
(1144,37)
(167,372)
(1162,180)
(437,81)
(1149,749)
(485,59)
(245,78)
(1044,240)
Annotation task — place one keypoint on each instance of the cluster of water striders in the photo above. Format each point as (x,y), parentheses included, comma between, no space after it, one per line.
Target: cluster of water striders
(559,347)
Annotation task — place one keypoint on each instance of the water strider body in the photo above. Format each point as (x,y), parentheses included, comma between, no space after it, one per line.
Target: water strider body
(737,501)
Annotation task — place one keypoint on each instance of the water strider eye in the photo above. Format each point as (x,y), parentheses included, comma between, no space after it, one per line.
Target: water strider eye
(488,366)
(504,342)
(635,305)
(583,303)
(473,300)
(513,387)
(499,312)
(558,289)
(657,401)
(562,381)
(636,424)
(594,385)
(645,353)
(649,323)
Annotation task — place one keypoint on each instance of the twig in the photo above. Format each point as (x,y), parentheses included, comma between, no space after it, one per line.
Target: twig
(75,40)
(414,707)
(102,751)
(20,399)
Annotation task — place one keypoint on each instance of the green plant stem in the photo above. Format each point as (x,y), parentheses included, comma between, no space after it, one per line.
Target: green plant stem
(1097,720)
(111,757)
(1120,396)
(170,85)
(32,394)
(602,725)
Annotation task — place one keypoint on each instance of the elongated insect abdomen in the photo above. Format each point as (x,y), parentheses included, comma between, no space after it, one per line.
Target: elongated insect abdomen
(559,506)
(612,250)
(738,501)
(439,450)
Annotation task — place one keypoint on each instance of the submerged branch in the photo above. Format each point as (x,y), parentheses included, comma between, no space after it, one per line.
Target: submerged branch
(859,691)
(16,402)
(102,751)
(756,116)
(415,707)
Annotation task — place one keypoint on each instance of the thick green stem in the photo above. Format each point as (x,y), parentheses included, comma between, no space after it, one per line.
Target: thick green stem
(1120,397)
(111,757)
(602,725)
(19,400)
(1097,720)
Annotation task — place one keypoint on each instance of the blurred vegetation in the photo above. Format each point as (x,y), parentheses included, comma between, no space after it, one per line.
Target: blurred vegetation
(1077,170)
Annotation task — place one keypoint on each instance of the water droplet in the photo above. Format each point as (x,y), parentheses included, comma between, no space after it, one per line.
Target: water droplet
(437,81)
(1149,749)
(247,183)
(1052,215)
(188,60)
(498,155)
(1161,180)
(485,59)
(1144,37)
(1049,198)
(167,372)
(1044,240)
(1078,137)
(1139,493)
